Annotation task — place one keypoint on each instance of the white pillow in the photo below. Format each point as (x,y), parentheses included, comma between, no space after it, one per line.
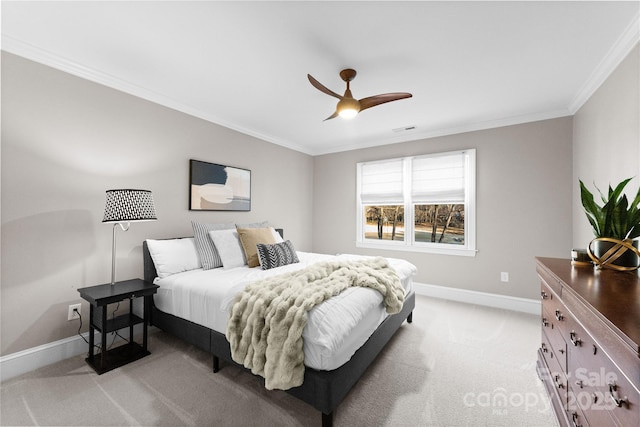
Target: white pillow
(277,236)
(227,243)
(173,256)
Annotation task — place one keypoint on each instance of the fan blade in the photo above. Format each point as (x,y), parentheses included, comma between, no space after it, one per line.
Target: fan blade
(333,116)
(322,88)
(372,101)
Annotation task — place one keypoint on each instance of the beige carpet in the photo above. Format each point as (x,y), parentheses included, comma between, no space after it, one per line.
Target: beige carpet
(456,365)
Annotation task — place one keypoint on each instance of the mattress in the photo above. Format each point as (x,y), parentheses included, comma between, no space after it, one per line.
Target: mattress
(334,330)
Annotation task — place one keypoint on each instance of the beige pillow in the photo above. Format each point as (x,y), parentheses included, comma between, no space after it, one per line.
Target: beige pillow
(250,237)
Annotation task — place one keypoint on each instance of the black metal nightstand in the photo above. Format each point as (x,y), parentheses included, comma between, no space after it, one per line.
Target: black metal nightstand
(99,297)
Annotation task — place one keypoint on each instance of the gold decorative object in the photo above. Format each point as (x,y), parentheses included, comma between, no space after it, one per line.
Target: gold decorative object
(619,248)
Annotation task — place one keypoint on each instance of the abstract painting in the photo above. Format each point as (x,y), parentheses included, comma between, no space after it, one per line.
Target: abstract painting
(217,187)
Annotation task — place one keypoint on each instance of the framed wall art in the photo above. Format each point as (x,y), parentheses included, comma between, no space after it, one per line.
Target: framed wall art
(215,187)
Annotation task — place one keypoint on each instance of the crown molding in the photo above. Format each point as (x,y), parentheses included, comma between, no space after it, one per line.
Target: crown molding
(51,59)
(619,51)
(454,130)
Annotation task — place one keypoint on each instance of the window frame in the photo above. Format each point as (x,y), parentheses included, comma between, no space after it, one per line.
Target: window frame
(409,244)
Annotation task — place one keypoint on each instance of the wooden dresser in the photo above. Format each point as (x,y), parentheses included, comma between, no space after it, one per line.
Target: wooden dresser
(589,358)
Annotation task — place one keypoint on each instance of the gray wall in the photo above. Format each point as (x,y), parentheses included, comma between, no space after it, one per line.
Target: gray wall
(607,139)
(523,205)
(65,141)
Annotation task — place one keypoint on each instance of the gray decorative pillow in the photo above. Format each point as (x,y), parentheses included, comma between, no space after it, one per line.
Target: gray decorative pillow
(263,224)
(276,255)
(209,256)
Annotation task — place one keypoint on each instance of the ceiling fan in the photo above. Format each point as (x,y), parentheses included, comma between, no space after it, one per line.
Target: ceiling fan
(348,107)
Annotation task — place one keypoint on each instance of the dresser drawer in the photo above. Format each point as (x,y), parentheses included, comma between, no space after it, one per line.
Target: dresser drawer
(550,356)
(625,402)
(545,374)
(555,339)
(626,358)
(556,312)
(584,377)
(550,280)
(577,418)
(592,369)
(591,402)
(555,376)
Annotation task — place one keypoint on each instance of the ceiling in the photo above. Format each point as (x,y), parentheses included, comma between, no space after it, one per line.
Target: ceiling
(244,65)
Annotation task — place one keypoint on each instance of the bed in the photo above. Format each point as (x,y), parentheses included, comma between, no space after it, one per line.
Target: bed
(328,375)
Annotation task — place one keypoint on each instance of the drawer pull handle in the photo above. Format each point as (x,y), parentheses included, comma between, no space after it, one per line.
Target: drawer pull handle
(559,383)
(576,341)
(544,295)
(559,315)
(545,322)
(613,393)
(574,419)
(544,348)
(579,383)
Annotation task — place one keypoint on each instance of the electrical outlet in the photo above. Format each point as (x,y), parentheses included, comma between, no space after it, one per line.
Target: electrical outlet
(504,276)
(72,315)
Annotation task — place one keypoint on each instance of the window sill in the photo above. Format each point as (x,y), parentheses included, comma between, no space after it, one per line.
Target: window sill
(398,246)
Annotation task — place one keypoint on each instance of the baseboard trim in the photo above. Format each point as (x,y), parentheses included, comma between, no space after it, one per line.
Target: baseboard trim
(30,359)
(21,362)
(481,298)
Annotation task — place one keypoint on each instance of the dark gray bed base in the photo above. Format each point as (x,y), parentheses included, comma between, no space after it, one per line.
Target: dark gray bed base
(324,390)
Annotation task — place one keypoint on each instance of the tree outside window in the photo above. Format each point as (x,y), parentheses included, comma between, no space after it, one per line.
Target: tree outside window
(439,223)
(384,222)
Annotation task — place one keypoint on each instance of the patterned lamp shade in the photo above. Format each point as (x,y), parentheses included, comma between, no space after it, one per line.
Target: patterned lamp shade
(129,206)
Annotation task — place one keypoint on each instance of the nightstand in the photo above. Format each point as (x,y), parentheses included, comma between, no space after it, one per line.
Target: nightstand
(99,297)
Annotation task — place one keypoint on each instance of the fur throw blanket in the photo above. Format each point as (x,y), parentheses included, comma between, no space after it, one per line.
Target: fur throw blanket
(268,317)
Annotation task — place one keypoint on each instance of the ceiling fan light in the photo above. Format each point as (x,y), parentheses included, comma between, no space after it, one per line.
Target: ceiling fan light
(348,113)
(348,108)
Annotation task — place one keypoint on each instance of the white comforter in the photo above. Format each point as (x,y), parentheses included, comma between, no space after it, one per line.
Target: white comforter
(334,331)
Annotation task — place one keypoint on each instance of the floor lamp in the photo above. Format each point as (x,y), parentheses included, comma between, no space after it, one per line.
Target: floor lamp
(124,207)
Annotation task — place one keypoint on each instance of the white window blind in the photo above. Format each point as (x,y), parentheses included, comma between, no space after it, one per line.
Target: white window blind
(438,179)
(381,182)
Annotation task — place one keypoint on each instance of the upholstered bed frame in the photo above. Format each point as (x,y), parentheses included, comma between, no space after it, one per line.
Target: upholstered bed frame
(324,390)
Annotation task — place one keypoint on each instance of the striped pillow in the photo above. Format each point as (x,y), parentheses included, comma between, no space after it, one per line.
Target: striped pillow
(209,256)
(276,255)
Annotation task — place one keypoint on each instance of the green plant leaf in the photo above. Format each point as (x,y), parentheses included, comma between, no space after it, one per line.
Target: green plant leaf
(619,218)
(616,218)
(593,211)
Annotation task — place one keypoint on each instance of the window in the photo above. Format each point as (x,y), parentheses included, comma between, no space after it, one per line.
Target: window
(421,203)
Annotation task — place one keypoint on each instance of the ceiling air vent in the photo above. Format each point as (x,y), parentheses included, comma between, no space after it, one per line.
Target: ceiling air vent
(404,129)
